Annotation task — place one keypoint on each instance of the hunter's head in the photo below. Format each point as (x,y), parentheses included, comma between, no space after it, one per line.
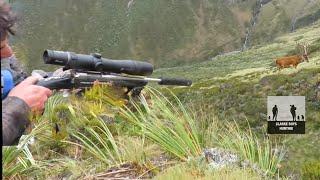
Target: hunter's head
(7,20)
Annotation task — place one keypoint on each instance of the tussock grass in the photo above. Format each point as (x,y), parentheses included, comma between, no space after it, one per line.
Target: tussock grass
(311,170)
(176,131)
(168,125)
(159,121)
(15,161)
(138,150)
(187,172)
(99,141)
(51,104)
(261,153)
(18,160)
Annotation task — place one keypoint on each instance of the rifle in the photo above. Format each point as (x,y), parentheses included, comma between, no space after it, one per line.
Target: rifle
(81,71)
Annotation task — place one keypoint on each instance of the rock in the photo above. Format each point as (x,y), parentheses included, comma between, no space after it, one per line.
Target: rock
(39,73)
(296,85)
(264,81)
(218,158)
(254,166)
(256,88)
(263,116)
(245,164)
(303,85)
(225,86)
(318,87)
(107,119)
(280,89)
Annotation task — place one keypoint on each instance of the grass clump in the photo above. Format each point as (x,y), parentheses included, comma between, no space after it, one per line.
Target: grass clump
(263,155)
(15,161)
(173,128)
(18,160)
(154,120)
(99,141)
(311,170)
(188,172)
(168,125)
(137,149)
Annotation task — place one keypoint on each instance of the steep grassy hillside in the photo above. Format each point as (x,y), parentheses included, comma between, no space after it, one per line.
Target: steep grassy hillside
(162,32)
(283,16)
(258,58)
(167,33)
(236,87)
(95,136)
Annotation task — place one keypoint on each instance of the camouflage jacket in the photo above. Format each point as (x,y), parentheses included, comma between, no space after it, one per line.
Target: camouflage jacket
(15,111)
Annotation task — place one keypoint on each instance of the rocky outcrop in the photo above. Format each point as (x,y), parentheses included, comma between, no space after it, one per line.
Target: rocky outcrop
(219,158)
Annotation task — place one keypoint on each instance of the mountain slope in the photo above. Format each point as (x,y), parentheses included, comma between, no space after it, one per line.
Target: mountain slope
(236,86)
(167,33)
(283,16)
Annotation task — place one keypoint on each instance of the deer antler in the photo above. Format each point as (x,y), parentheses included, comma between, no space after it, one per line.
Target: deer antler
(303,45)
(306,46)
(299,47)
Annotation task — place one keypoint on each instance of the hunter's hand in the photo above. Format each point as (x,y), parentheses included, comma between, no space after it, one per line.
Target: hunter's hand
(35,96)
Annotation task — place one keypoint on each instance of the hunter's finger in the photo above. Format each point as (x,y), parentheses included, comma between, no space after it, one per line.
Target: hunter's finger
(29,81)
(46,91)
(96,82)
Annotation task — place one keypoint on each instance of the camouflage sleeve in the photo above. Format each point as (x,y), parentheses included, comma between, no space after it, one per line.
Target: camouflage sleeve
(18,69)
(12,64)
(15,113)
(15,65)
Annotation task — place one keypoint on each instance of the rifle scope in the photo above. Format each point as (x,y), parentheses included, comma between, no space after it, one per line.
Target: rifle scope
(95,62)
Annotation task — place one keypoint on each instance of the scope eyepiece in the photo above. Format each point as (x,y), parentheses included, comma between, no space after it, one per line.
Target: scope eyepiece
(95,62)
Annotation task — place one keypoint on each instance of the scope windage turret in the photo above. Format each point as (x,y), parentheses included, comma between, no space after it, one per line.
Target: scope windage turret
(95,62)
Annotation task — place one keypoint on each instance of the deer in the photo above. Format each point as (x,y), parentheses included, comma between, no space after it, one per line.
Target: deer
(285,62)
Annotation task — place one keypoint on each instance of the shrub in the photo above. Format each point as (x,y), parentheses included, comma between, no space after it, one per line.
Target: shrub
(311,170)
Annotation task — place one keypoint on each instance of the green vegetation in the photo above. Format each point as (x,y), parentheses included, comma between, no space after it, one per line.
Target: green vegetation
(10,165)
(158,133)
(107,151)
(189,172)
(18,160)
(104,134)
(267,156)
(281,16)
(311,170)
(235,87)
(174,131)
(167,33)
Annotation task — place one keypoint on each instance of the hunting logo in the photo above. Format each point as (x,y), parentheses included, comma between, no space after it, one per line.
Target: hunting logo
(286,114)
